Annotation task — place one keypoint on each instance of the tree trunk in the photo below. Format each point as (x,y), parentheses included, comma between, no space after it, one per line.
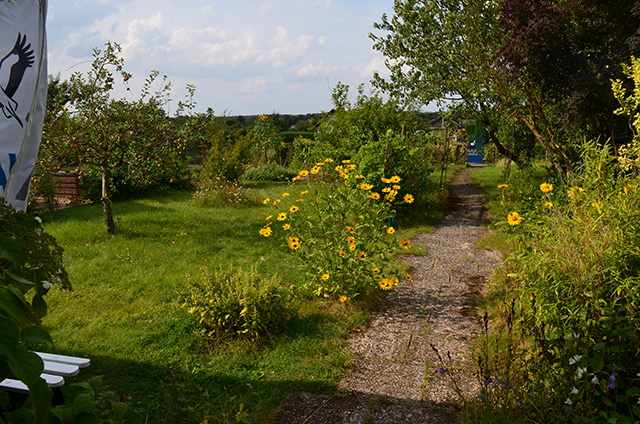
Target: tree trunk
(106,199)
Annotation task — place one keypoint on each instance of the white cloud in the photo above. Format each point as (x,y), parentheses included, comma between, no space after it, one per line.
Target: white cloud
(314,69)
(262,50)
(376,65)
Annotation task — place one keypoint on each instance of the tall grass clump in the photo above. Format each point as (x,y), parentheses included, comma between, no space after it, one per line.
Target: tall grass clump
(565,346)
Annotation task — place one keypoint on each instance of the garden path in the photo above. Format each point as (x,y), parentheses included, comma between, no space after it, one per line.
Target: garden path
(420,329)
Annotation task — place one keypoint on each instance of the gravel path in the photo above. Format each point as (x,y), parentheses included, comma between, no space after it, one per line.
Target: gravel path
(398,375)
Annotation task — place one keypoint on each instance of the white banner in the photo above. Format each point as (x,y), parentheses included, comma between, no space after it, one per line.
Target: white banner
(23,94)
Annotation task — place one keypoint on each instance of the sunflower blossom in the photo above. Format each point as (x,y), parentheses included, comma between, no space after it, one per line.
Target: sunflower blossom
(514,218)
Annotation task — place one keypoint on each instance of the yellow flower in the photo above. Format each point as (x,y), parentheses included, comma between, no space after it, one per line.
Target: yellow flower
(342,299)
(366,186)
(351,167)
(294,209)
(342,253)
(514,218)
(385,284)
(265,201)
(351,240)
(339,168)
(265,231)
(328,160)
(285,194)
(374,196)
(503,186)
(299,200)
(376,270)
(282,216)
(362,255)
(391,230)
(359,177)
(548,205)
(390,198)
(315,170)
(405,243)
(408,277)
(319,163)
(346,161)
(546,187)
(304,192)
(351,230)
(286,227)
(294,243)
(386,180)
(325,277)
(269,217)
(395,179)
(277,202)
(352,247)
(396,187)
(408,198)
(395,281)
(386,190)
(296,178)
(303,173)
(574,192)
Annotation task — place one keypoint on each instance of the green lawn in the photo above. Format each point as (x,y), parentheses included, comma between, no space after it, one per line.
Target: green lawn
(125,311)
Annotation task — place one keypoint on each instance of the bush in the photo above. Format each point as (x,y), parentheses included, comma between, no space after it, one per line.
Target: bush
(269,172)
(571,343)
(238,303)
(343,230)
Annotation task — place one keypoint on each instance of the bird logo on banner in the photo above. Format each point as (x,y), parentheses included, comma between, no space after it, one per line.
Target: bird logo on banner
(12,69)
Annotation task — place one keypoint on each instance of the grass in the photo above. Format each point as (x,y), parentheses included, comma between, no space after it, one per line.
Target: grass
(125,311)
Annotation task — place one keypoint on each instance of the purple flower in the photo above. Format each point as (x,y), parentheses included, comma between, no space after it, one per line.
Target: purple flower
(442,370)
(487,381)
(518,403)
(612,381)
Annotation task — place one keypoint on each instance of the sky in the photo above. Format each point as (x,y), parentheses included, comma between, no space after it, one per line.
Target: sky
(243,56)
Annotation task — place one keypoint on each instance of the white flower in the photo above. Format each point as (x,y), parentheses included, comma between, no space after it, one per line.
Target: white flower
(568,401)
(38,219)
(575,391)
(595,380)
(580,372)
(575,359)
(46,285)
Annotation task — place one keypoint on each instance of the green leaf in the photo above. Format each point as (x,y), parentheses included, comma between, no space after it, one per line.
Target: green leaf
(13,304)
(9,336)
(87,418)
(20,280)
(39,306)
(36,334)
(41,396)
(14,250)
(119,410)
(27,366)
(83,403)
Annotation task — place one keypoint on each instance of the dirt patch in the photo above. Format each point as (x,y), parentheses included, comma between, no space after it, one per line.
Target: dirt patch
(413,361)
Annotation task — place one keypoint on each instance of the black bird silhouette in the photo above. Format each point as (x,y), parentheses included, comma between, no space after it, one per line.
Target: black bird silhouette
(12,69)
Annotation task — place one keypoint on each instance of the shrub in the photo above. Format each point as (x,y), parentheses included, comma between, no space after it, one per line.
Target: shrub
(343,231)
(574,326)
(268,172)
(238,303)
(30,264)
